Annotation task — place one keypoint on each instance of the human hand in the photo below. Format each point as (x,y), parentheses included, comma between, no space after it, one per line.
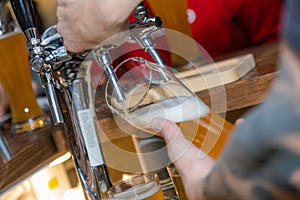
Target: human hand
(192,163)
(239,121)
(83,24)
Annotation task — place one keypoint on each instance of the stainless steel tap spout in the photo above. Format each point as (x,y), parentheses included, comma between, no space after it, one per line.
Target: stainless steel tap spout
(5,151)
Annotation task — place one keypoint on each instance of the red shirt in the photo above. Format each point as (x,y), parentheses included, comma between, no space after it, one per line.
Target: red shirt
(223,26)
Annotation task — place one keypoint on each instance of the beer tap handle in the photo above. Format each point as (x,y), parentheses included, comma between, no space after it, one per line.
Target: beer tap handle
(25,15)
(23,10)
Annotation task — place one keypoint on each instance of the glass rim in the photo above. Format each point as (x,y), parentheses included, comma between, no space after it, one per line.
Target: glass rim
(151,177)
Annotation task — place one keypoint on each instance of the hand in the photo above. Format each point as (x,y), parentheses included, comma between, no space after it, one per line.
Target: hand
(239,121)
(83,24)
(192,163)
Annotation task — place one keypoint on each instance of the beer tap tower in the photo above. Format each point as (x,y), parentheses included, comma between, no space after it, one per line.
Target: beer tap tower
(66,79)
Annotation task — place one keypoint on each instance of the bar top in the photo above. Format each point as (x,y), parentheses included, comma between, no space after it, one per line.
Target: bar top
(251,89)
(34,152)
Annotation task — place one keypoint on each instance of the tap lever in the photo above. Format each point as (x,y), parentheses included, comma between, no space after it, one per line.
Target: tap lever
(142,18)
(55,51)
(24,12)
(25,15)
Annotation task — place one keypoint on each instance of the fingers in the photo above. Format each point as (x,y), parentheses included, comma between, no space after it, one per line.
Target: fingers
(188,159)
(239,121)
(180,149)
(167,128)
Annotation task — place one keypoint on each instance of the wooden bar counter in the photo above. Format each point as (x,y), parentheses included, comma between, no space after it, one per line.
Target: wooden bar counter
(33,152)
(251,89)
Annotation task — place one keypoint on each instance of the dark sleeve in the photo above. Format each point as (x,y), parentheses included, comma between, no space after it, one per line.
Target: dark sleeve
(263,154)
(277,117)
(262,158)
(291,28)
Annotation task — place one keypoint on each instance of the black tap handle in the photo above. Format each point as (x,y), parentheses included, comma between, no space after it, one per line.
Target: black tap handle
(24,12)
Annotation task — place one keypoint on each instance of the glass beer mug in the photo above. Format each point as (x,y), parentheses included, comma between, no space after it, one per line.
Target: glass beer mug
(141,187)
(151,91)
(15,76)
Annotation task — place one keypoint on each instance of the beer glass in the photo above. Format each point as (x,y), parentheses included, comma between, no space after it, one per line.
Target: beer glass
(174,17)
(141,187)
(15,76)
(178,184)
(151,91)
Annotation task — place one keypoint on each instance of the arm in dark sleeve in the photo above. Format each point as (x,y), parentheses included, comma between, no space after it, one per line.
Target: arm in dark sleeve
(262,159)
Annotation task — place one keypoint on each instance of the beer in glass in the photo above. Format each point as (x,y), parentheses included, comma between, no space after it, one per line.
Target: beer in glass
(16,79)
(178,184)
(141,187)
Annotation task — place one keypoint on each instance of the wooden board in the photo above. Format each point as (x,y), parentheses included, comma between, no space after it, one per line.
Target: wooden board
(218,73)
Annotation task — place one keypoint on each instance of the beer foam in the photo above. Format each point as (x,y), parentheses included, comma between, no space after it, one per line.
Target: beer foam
(175,109)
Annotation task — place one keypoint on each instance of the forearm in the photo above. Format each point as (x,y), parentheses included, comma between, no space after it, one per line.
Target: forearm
(262,159)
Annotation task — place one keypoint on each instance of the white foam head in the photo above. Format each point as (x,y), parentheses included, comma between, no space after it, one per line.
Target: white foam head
(176,109)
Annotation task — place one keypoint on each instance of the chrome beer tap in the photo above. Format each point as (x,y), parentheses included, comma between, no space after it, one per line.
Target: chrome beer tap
(67,82)
(66,79)
(141,31)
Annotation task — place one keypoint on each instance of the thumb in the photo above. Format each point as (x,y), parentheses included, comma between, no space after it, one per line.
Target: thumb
(168,129)
(180,150)
(177,144)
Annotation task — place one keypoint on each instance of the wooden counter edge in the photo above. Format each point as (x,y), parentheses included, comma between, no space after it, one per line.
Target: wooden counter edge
(37,154)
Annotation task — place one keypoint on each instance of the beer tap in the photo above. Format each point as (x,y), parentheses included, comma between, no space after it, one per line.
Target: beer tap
(141,31)
(103,59)
(66,79)
(67,82)
(26,18)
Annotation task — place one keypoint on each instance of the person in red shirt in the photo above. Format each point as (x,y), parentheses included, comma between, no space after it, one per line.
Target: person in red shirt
(221,27)
(226,26)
